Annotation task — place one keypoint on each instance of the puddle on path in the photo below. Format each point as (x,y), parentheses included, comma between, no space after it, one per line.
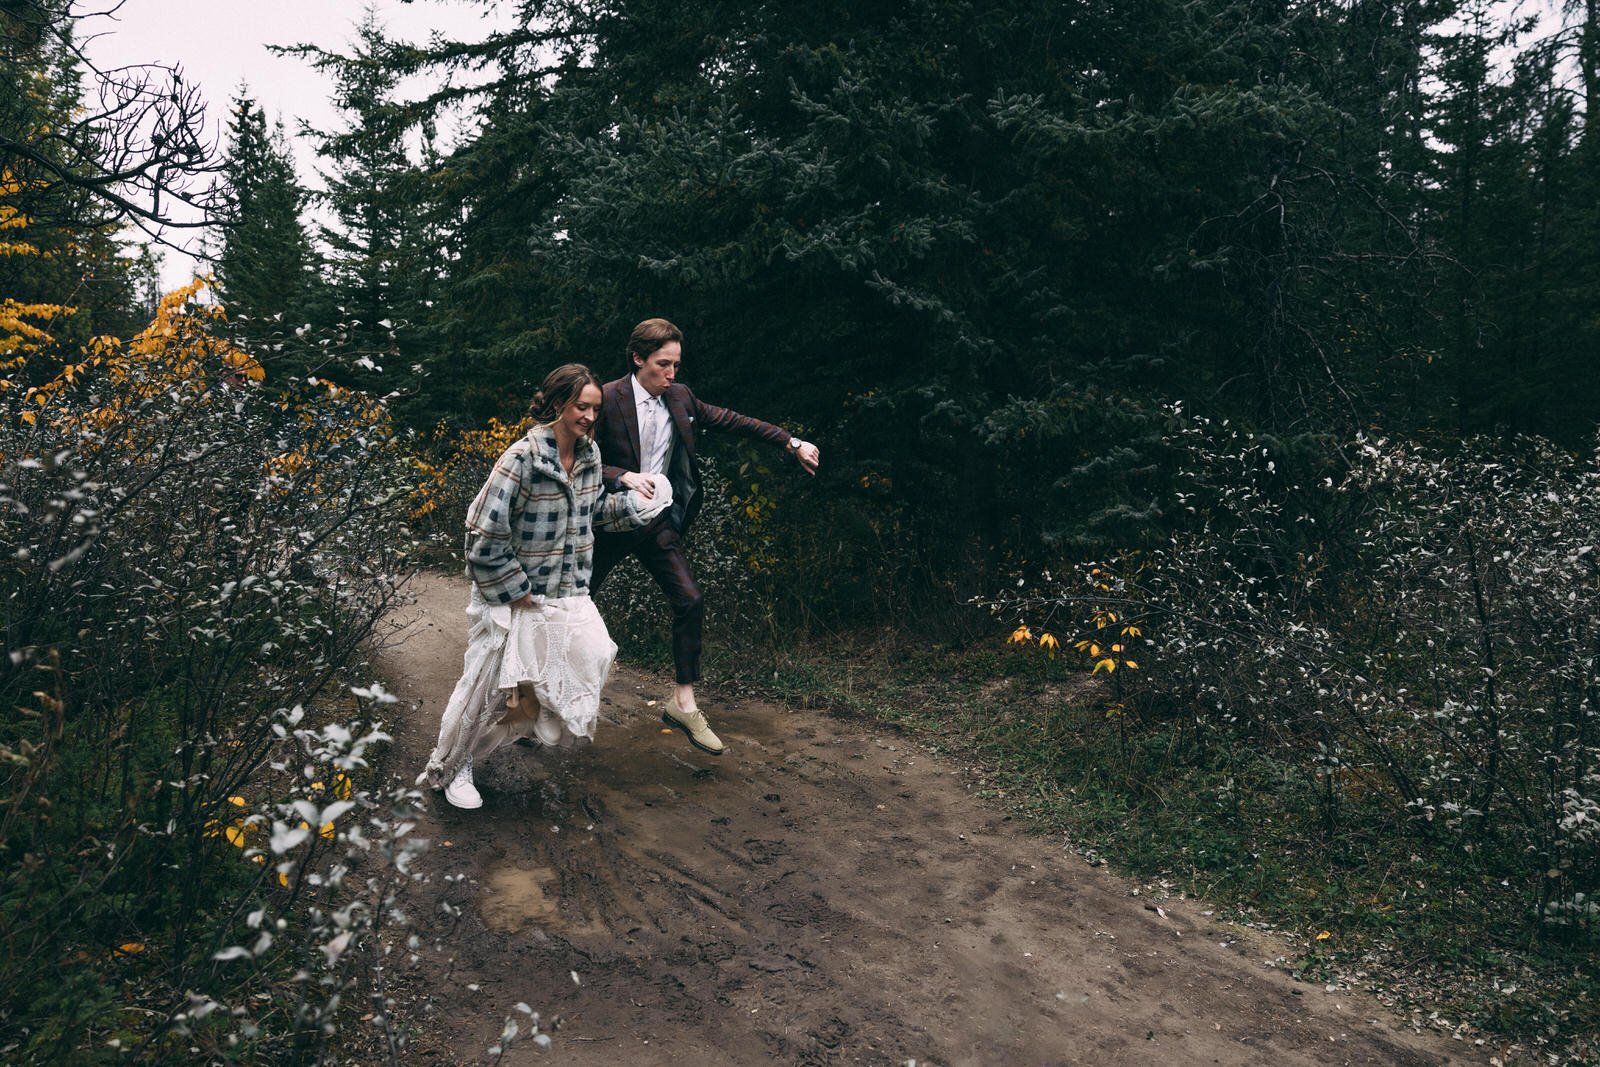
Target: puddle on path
(517,898)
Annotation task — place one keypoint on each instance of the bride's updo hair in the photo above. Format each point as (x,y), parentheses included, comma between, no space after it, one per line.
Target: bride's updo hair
(561,387)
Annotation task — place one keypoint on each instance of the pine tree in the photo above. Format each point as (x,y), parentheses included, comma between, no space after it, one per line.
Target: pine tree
(266,267)
(994,239)
(382,254)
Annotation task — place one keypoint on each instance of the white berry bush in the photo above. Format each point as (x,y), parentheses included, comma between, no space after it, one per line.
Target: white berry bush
(199,859)
(1412,632)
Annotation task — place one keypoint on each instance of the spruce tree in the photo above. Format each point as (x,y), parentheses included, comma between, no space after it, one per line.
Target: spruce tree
(382,253)
(267,270)
(987,243)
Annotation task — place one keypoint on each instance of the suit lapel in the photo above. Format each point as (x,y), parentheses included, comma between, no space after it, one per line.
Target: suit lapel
(678,408)
(623,408)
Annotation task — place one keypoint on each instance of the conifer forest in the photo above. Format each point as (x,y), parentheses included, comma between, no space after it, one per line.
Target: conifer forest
(1232,365)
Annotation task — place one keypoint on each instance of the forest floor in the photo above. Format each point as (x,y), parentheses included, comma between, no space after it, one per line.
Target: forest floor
(827,891)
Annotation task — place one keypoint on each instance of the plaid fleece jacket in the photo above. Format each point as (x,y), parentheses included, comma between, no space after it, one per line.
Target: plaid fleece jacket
(531,528)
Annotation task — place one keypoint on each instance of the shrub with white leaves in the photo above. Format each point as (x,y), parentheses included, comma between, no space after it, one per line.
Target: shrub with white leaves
(189,564)
(1414,635)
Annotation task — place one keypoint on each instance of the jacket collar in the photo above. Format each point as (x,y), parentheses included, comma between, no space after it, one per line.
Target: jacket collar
(547,459)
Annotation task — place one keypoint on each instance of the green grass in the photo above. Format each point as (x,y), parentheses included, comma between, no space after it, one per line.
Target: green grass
(1414,917)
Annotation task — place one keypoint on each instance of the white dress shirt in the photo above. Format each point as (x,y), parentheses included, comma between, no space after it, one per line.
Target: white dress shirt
(655,429)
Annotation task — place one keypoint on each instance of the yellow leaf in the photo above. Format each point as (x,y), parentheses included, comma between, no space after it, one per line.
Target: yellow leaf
(1049,641)
(1324,936)
(1130,664)
(327,831)
(237,802)
(283,879)
(1021,634)
(235,836)
(1094,649)
(1104,665)
(131,948)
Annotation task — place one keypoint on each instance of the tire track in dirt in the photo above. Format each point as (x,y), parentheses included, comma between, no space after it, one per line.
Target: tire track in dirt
(818,895)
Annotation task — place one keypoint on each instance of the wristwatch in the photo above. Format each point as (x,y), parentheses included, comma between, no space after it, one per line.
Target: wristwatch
(794,444)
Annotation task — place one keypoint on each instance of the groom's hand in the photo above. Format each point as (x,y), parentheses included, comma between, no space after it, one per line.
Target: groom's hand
(809,456)
(645,487)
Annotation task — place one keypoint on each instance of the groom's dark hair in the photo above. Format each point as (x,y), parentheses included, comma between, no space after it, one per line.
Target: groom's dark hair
(648,336)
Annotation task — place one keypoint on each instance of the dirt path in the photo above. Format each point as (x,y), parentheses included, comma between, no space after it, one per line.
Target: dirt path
(819,894)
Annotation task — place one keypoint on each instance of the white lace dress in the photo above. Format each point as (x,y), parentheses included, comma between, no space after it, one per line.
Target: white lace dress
(529,672)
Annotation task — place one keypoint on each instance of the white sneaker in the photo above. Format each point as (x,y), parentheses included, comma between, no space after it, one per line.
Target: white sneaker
(461,792)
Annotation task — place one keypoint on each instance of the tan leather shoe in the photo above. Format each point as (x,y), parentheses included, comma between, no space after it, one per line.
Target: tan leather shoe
(693,724)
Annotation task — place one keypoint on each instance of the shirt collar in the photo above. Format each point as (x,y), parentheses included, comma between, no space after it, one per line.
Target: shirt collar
(641,395)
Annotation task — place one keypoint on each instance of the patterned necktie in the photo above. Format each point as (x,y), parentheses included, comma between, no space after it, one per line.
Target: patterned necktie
(648,433)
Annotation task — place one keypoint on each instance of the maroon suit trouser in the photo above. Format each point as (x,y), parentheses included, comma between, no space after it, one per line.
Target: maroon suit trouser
(660,552)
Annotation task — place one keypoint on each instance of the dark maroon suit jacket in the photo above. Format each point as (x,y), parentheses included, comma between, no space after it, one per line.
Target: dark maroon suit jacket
(617,431)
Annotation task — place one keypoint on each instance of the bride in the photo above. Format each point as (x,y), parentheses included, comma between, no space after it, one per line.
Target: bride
(538,653)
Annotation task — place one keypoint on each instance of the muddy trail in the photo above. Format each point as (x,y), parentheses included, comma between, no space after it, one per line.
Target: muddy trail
(826,892)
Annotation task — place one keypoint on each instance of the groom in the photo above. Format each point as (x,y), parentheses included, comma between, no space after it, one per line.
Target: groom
(650,423)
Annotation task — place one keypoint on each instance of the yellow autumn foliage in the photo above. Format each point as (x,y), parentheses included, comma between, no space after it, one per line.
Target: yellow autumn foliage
(180,353)
(22,325)
(468,455)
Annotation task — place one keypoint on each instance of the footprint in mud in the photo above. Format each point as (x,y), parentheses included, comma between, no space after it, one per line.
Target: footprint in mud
(831,1033)
(800,911)
(515,897)
(763,852)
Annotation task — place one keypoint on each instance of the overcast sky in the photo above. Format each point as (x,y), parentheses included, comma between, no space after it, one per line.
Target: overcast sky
(223,43)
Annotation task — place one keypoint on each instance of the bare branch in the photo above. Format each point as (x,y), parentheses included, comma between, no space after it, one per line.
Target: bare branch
(138,145)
